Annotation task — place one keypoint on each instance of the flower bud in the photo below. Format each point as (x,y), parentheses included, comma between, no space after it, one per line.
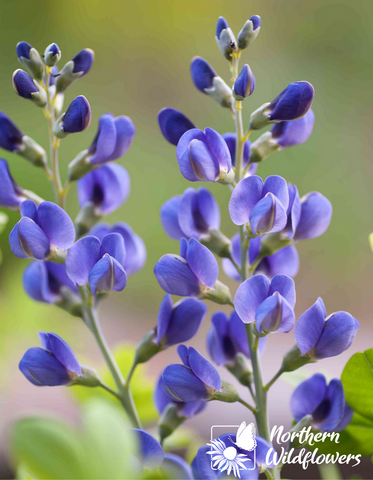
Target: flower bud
(11,194)
(76,119)
(244,84)
(173,124)
(228,393)
(52,55)
(26,87)
(263,147)
(249,32)
(225,38)
(30,58)
(79,66)
(89,378)
(220,294)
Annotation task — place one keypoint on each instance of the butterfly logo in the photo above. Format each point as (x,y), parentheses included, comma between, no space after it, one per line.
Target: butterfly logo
(245,437)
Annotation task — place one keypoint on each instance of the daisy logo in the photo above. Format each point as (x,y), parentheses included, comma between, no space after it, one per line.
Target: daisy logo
(232,453)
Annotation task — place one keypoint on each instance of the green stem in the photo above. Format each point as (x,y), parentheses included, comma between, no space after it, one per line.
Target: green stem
(108,389)
(272,381)
(130,373)
(247,405)
(124,393)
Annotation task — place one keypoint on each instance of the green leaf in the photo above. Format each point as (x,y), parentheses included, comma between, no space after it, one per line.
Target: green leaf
(357,379)
(141,386)
(46,448)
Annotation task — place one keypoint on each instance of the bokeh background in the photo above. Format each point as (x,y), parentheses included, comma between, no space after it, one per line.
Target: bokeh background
(143,50)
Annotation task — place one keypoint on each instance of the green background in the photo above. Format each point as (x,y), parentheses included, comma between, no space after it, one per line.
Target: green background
(143,50)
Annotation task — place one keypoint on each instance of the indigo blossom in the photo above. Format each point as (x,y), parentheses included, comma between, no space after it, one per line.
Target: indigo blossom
(52,55)
(291,104)
(76,119)
(151,453)
(231,141)
(173,124)
(42,232)
(106,188)
(315,215)
(135,257)
(30,58)
(244,85)
(195,380)
(326,403)
(53,364)
(225,38)
(270,304)
(204,156)
(260,205)
(11,194)
(98,263)
(79,66)
(320,336)
(189,275)
(180,322)
(249,32)
(194,214)
(26,87)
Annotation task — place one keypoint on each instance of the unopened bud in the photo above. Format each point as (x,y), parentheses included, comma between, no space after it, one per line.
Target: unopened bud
(219,294)
(263,147)
(227,394)
(249,32)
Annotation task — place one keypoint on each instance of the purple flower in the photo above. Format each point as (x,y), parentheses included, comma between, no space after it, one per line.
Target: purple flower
(23,50)
(249,32)
(180,322)
(106,188)
(263,206)
(11,194)
(173,124)
(42,231)
(230,139)
(203,156)
(10,135)
(189,275)
(288,134)
(227,337)
(270,304)
(135,257)
(53,364)
(320,336)
(52,54)
(245,83)
(79,66)
(150,452)
(193,214)
(76,119)
(284,262)
(27,88)
(30,58)
(195,380)
(100,263)
(292,103)
(45,281)
(162,400)
(113,139)
(225,39)
(202,74)
(326,403)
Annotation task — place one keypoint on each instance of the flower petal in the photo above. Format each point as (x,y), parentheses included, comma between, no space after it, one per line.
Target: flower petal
(31,239)
(285,286)
(56,224)
(202,263)
(61,350)
(316,214)
(175,276)
(183,385)
(173,124)
(337,335)
(296,132)
(203,369)
(164,316)
(219,148)
(43,369)
(170,218)
(204,164)
(151,453)
(125,132)
(81,258)
(278,186)
(187,317)
(268,215)
(245,196)
(334,402)
(113,244)
(135,248)
(308,396)
(103,144)
(250,294)
(310,327)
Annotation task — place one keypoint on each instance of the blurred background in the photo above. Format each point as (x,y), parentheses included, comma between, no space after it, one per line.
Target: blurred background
(143,50)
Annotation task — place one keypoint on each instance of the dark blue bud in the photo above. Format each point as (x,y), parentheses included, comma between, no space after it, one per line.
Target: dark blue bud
(23,84)
(225,39)
(249,32)
(83,61)
(52,55)
(76,119)
(173,124)
(11,194)
(244,84)
(10,135)
(221,25)
(257,21)
(23,50)
(202,74)
(30,58)
(291,103)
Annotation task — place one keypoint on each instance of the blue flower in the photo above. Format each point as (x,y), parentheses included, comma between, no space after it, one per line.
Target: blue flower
(42,231)
(52,54)
(53,364)
(30,58)
(135,257)
(262,206)
(315,216)
(23,50)
(203,156)
(106,188)
(245,83)
(150,452)
(113,139)
(79,66)
(45,281)
(100,263)
(27,88)
(193,214)
(11,194)
(173,124)
(189,275)
(292,103)
(326,403)
(270,304)
(284,262)
(227,337)
(202,74)
(195,380)
(225,39)
(180,322)
(296,132)
(10,135)
(76,119)
(230,140)
(162,400)
(320,336)
(249,32)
